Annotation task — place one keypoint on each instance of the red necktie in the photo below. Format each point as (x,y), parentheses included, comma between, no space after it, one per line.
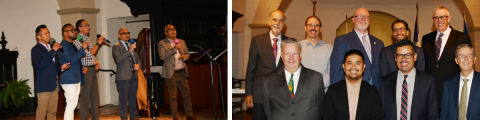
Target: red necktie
(275,47)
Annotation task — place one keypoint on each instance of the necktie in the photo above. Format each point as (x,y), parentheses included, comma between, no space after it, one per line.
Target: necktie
(290,86)
(403,113)
(275,47)
(438,45)
(366,45)
(462,109)
(131,58)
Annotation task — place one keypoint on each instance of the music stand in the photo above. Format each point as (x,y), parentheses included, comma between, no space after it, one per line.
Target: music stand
(211,56)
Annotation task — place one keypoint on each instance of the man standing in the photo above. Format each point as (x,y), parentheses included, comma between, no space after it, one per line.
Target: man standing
(460,92)
(303,100)
(89,93)
(440,47)
(408,94)
(316,53)
(387,55)
(352,98)
(47,69)
(71,78)
(128,63)
(174,53)
(264,57)
(358,39)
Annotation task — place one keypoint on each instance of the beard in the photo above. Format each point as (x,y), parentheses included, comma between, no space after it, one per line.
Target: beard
(276,29)
(360,27)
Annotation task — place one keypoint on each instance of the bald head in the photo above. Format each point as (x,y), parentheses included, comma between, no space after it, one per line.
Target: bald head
(361,11)
(123,34)
(276,22)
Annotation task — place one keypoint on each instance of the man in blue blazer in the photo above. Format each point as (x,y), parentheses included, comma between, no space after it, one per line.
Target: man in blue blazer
(461,92)
(358,39)
(47,69)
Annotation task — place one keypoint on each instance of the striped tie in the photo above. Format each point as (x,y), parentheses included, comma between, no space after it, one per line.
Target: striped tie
(290,86)
(462,109)
(275,47)
(438,45)
(404,112)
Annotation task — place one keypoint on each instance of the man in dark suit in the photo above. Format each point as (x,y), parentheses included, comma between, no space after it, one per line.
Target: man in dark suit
(126,78)
(47,69)
(264,57)
(357,39)
(408,93)
(439,47)
(461,92)
(387,55)
(295,92)
(352,98)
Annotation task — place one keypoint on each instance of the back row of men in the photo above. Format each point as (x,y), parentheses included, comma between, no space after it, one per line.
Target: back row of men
(359,78)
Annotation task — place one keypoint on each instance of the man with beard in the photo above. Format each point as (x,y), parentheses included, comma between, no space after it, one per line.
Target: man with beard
(358,39)
(264,57)
(440,47)
(352,98)
(316,53)
(408,94)
(387,58)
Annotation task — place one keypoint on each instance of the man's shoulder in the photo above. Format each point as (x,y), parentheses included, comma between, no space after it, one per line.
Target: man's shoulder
(387,49)
(431,34)
(375,39)
(261,36)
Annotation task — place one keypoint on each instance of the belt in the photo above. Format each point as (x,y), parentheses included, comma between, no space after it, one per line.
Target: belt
(90,66)
(181,70)
(133,71)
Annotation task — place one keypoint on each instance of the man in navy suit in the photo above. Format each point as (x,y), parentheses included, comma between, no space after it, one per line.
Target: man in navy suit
(460,92)
(408,94)
(358,39)
(47,69)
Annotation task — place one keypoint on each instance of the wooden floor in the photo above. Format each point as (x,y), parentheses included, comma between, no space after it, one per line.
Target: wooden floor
(110,112)
(242,115)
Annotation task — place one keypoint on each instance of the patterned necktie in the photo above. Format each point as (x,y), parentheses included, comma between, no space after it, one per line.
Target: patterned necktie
(403,113)
(275,47)
(366,45)
(131,58)
(438,45)
(290,86)
(462,109)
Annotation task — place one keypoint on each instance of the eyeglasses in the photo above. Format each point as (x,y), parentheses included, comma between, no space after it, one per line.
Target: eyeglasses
(362,16)
(73,30)
(440,17)
(171,29)
(469,56)
(407,56)
(314,25)
(399,29)
(85,26)
(125,33)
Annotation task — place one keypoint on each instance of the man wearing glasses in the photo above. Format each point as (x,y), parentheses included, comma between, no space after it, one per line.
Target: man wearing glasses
(440,47)
(387,58)
(408,94)
(358,39)
(89,93)
(316,53)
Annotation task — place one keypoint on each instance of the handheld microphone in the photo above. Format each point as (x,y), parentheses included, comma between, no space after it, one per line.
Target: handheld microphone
(52,41)
(176,42)
(80,38)
(108,41)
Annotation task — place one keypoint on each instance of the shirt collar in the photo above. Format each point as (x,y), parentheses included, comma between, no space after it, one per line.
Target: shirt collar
(469,77)
(411,73)
(360,34)
(448,30)
(320,42)
(84,36)
(171,41)
(273,36)
(296,73)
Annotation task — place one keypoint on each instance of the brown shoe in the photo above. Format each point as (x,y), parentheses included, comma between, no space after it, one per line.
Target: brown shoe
(191,118)
(176,118)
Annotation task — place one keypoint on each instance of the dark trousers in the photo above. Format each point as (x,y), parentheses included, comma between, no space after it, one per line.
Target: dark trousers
(179,80)
(127,92)
(258,112)
(89,95)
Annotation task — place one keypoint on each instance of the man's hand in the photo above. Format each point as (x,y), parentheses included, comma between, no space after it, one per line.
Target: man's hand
(249,100)
(132,47)
(136,66)
(85,45)
(181,57)
(97,65)
(56,46)
(85,70)
(100,40)
(65,66)
(177,46)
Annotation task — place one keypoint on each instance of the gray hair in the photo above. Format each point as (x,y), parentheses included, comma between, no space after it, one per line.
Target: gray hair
(464,46)
(291,40)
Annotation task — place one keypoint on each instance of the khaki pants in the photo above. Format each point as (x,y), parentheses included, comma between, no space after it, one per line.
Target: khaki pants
(179,80)
(47,105)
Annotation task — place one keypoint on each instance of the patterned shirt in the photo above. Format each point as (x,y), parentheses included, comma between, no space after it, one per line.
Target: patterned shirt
(89,59)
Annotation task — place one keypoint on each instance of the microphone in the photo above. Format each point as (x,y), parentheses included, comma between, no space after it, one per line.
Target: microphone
(80,38)
(52,41)
(108,41)
(176,42)
(195,45)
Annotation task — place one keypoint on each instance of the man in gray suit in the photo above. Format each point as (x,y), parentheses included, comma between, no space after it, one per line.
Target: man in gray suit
(126,78)
(303,98)
(174,53)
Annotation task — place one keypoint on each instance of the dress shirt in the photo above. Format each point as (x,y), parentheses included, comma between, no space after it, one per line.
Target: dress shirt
(469,84)
(48,49)
(178,63)
(296,76)
(279,46)
(133,56)
(367,38)
(353,92)
(411,86)
(318,58)
(78,44)
(445,36)
(88,60)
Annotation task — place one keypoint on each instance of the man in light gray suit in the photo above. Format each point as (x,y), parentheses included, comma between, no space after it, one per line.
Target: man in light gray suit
(126,78)
(174,53)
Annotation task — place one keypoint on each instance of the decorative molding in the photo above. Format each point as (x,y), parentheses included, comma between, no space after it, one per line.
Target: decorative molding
(258,25)
(476,28)
(78,10)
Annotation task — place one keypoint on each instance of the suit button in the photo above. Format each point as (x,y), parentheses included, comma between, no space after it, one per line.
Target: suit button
(437,66)
(293,102)
(293,114)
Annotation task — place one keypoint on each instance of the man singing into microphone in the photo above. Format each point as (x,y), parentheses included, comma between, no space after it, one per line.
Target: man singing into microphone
(174,53)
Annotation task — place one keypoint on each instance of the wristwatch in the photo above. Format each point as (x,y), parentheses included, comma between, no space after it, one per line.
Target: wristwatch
(97,44)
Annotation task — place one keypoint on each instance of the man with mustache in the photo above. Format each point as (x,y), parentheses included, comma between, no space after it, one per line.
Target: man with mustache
(264,57)
(408,94)
(387,58)
(460,93)
(358,39)
(316,53)
(352,98)
(440,47)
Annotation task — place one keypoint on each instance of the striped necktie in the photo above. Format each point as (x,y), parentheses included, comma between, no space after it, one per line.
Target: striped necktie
(438,45)
(404,112)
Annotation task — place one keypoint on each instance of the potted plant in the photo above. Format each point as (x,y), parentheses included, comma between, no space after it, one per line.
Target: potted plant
(16,93)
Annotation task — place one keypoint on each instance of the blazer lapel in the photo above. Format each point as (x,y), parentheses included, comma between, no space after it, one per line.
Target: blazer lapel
(301,82)
(267,45)
(451,44)
(393,94)
(474,92)
(373,43)
(357,41)
(456,88)
(282,82)
(363,100)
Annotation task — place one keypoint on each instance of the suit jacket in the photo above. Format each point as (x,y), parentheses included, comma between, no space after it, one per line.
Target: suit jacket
(122,57)
(450,98)
(46,70)
(446,67)
(307,103)
(167,54)
(73,56)
(388,64)
(424,101)
(260,62)
(350,41)
(335,105)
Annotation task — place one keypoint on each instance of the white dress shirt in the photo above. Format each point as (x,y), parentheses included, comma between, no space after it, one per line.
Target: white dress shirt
(411,87)
(367,38)
(279,46)
(318,58)
(178,63)
(469,84)
(296,76)
(445,36)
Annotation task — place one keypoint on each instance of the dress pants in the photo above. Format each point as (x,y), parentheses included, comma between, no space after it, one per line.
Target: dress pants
(47,105)
(71,95)
(180,80)
(258,112)
(127,92)
(89,95)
